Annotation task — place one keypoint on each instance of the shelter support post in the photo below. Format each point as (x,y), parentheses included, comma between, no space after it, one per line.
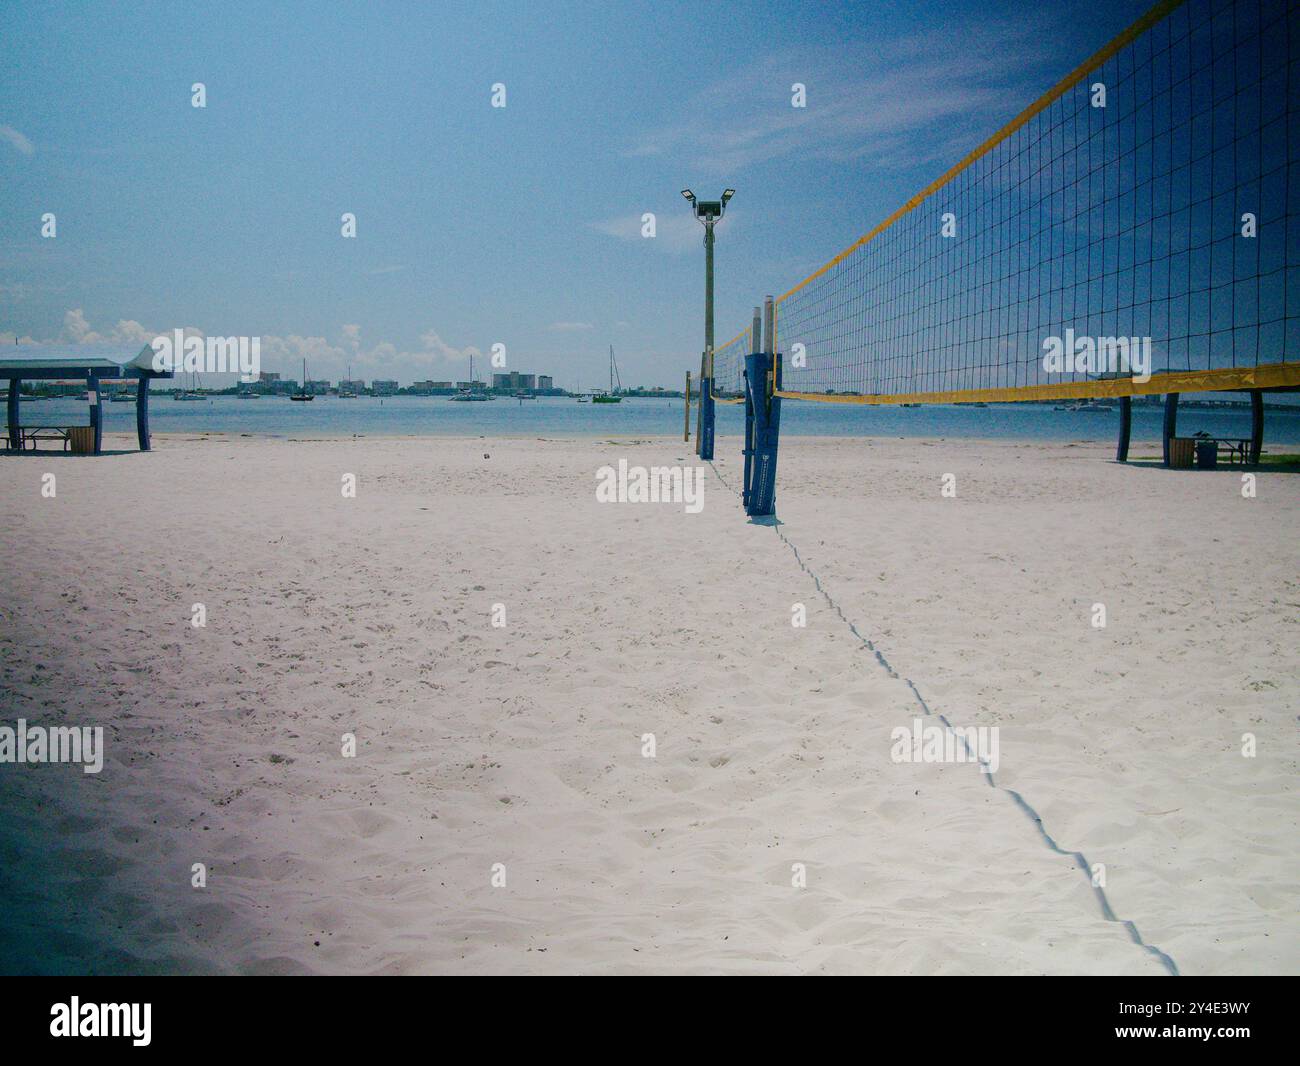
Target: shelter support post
(1256,425)
(11,414)
(1171,422)
(96,411)
(1125,428)
(142,412)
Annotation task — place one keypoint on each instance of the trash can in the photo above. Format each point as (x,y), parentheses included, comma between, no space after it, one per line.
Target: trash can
(1207,454)
(82,439)
(1181,453)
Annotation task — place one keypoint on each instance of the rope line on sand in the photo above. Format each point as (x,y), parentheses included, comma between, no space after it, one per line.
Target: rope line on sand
(1107,912)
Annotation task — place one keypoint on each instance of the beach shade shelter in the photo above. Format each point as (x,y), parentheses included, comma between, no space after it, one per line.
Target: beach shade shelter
(92,363)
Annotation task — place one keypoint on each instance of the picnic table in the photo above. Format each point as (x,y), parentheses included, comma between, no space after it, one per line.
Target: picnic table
(1231,449)
(30,436)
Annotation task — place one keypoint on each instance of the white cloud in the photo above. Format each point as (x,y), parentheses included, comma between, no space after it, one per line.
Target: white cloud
(432,358)
(675,231)
(76,330)
(436,348)
(75,325)
(17,140)
(570,327)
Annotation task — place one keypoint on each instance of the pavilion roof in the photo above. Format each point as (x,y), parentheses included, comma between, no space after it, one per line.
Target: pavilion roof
(79,360)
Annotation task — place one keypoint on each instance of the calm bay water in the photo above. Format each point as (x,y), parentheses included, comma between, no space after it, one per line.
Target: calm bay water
(436,415)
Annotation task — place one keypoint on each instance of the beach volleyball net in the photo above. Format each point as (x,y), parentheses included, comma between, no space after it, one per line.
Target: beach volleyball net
(729,368)
(1139,220)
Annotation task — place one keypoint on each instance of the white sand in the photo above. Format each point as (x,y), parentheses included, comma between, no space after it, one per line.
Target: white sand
(522,745)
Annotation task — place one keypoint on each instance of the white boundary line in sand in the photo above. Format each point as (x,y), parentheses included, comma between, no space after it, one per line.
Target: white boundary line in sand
(1080,859)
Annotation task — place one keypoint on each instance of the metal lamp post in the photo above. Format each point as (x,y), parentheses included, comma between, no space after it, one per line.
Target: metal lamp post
(709,213)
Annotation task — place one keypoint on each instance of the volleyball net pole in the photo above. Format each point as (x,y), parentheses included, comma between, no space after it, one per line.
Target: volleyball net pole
(699,409)
(686,428)
(762,418)
(755,330)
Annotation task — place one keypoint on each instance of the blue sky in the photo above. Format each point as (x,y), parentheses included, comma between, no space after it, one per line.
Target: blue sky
(477,225)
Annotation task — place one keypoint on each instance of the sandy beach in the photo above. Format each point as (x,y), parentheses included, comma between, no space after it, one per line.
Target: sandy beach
(516,751)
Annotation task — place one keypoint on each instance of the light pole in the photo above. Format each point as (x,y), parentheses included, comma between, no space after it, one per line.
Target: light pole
(709,212)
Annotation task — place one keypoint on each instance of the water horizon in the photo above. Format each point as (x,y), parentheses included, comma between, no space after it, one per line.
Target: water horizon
(437,416)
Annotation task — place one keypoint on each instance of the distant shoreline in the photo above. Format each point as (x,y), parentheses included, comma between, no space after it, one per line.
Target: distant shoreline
(730,440)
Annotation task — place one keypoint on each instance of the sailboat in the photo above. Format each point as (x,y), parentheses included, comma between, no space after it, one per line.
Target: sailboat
(470,394)
(611,396)
(188,394)
(302,395)
(346,393)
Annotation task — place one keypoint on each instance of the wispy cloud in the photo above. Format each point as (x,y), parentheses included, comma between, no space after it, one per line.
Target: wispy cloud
(676,230)
(570,327)
(911,101)
(17,140)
